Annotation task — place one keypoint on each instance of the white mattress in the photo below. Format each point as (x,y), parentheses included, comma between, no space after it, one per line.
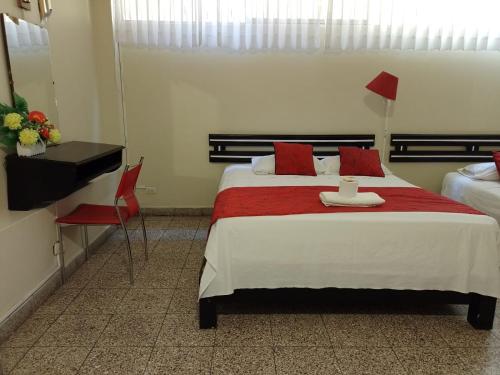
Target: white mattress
(482,195)
(395,250)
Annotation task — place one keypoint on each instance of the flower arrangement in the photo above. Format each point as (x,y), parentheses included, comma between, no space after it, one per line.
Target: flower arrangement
(28,130)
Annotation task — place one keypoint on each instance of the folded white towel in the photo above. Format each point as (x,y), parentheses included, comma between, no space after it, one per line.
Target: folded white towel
(331,198)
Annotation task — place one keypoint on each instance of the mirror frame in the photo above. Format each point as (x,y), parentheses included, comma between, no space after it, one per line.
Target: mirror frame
(7,55)
(6,51)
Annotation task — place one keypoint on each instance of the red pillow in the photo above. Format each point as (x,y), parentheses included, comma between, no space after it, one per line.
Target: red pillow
(293,158)
(496,158)
(355,161)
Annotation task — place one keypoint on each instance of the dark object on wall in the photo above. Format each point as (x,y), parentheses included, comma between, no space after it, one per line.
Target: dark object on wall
(443,147)
(240,148)
(25,4)
(40,180)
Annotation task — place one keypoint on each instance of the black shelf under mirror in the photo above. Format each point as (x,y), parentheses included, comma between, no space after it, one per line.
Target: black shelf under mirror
(37,181)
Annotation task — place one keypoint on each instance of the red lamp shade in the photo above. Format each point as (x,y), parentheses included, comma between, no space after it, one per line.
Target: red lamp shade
(385,84)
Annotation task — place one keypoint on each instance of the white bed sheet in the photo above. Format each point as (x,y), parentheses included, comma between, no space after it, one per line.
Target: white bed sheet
(482,195)
(395,250)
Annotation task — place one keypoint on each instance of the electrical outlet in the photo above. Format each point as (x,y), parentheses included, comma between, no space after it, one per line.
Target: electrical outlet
(56,248)
(146,189)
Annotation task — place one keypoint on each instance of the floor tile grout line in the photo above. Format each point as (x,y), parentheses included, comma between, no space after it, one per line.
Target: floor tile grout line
(158,335)
(103,330)
(156,339)
(273,344)
(326,330)
(95,343)
(408,372)
(34,343)
(17,362)
(109,321)
(51,324)
(190,246)
(212,359)
(330,340)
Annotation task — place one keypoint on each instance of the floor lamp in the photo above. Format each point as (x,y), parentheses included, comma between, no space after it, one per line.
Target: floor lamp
(385,85)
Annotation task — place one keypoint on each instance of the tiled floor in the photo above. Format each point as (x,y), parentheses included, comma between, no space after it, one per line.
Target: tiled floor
(98,324)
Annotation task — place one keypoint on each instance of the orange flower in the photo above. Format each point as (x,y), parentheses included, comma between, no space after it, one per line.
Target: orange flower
(37,116)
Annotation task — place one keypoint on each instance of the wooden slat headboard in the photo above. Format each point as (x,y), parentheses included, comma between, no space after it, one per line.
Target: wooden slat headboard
(240,148)
(443,147)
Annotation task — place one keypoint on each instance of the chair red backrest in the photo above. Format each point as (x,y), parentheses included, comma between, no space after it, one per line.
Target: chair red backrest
(126,188)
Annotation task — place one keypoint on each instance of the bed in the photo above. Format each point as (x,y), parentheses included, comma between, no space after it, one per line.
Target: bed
(415,251)
(482,195)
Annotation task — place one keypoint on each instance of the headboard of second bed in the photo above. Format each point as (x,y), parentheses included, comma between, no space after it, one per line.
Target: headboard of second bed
(240,148)
(429,148)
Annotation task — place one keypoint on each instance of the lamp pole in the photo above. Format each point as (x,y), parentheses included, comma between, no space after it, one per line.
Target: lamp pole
(388,104)
(385,85)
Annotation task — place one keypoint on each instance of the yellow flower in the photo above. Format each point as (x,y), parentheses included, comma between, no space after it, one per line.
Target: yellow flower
(28,137)
(13,121)
(55,136)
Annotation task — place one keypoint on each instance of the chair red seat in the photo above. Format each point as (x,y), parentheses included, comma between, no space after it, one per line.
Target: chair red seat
(94,214)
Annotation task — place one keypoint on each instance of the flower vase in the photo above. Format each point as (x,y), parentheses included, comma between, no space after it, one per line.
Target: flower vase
(36,149)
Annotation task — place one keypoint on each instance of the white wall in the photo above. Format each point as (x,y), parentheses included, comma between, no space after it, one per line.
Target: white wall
(26,238)
(174,100)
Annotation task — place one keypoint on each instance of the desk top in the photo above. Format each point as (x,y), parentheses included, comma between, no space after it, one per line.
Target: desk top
(75,152)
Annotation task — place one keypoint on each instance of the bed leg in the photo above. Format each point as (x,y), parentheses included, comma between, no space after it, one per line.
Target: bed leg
(481,311)
(208,313)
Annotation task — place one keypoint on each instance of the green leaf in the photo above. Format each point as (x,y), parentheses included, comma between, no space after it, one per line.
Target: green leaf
(20,103)
(12,135)
(5,109)
(9,139)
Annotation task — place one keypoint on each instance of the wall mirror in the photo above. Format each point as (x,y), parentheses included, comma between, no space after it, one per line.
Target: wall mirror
(28,58)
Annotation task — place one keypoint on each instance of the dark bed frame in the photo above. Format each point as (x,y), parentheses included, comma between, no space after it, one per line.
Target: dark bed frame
(241,148)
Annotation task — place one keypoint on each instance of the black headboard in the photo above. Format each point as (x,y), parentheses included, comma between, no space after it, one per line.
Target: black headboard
(443,147)
(240,148)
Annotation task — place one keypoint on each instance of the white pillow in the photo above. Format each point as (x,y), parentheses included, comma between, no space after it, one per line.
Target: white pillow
(331,165)
(265,165)
(481,171)
(318,166)
(386,170)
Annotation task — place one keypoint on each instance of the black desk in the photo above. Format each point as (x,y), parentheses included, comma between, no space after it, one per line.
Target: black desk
(37,181)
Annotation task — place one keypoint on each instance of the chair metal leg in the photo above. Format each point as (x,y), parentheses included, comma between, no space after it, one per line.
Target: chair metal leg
(144,236)
(130,260)
(61,252)
(85,237)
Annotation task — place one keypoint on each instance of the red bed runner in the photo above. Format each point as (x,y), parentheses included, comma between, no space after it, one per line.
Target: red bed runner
(296,200)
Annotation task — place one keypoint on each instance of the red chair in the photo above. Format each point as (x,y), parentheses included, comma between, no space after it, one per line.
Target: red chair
(92,214)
